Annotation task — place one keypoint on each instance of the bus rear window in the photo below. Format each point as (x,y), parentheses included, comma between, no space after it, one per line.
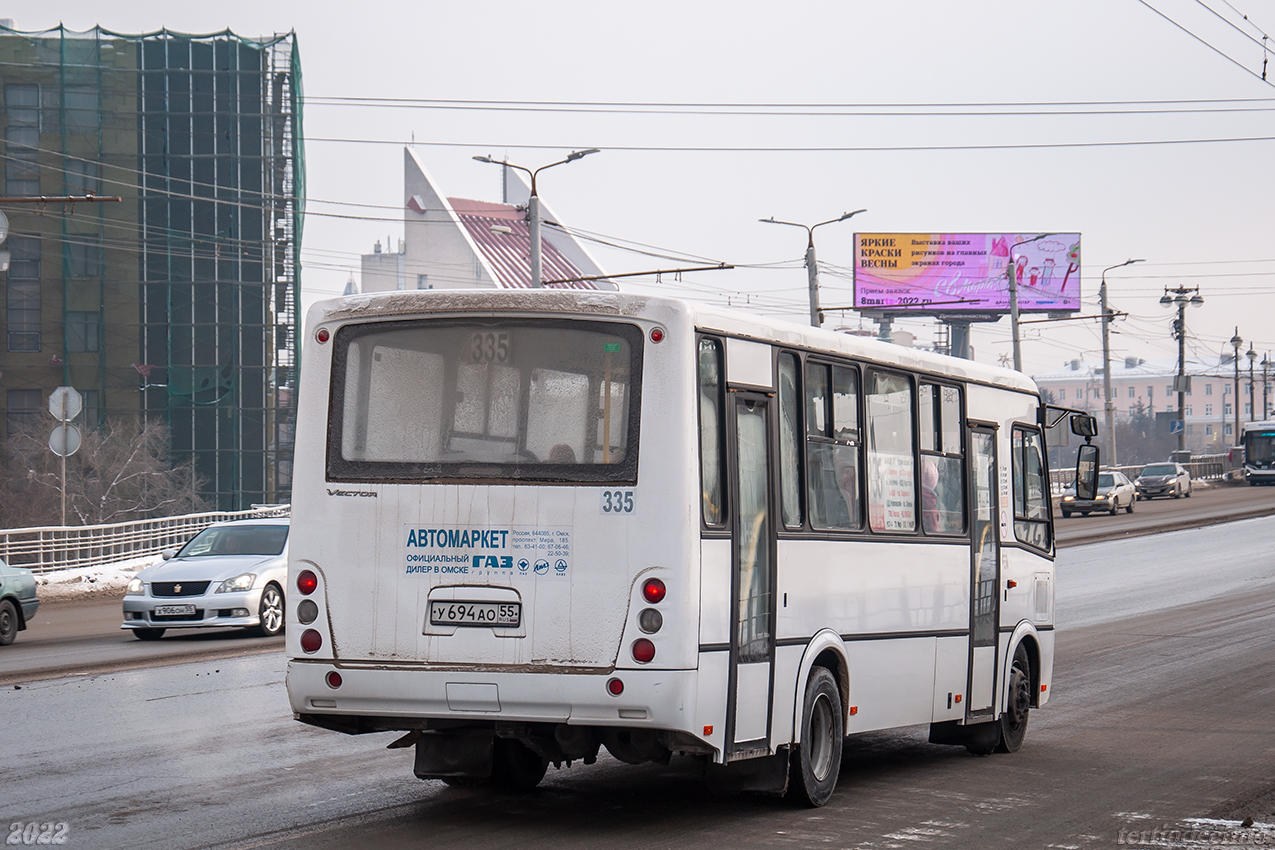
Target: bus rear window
(463,400)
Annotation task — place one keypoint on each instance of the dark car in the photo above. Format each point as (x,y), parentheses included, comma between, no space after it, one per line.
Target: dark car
(1163,479)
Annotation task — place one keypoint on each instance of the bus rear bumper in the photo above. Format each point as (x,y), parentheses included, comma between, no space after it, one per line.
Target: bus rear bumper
(660,699)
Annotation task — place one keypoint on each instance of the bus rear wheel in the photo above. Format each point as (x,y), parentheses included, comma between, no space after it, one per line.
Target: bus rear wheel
(515,767)
(816,764)
(1018,703)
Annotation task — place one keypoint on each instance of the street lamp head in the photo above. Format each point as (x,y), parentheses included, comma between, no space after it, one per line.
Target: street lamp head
(1251,355)
(1236,342)
(1197,300)
(574,155)
(486,159)
(850,214)
(1166,300)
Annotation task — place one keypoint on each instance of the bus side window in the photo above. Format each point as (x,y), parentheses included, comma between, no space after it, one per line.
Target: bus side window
(711,430)
(891,470)
(789,440)
(1031,490)
(833,446)
(942,460)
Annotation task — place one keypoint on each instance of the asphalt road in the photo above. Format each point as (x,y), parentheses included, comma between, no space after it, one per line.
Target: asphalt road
(1161,716)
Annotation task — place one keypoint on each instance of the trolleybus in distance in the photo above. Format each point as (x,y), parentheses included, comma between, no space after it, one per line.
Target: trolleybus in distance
(529,525)
(1259,452)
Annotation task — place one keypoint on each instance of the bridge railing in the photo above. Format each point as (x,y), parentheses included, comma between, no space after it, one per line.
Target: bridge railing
(51,548)
(1201,467)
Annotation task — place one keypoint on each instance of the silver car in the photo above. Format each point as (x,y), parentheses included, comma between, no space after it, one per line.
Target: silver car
(1163,479)
(230,574)
(1115,491)
(18,601)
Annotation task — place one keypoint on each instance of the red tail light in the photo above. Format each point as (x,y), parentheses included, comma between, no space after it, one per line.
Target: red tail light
(334,680)
(307,582)
(653,591)
(615,687)
(643,651)
(312,641)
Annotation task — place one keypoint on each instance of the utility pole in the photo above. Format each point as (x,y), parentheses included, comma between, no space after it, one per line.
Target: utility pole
(812,266)
(1181,296)
(1012,270)
(1108,404)
(1236,342)
(533,207)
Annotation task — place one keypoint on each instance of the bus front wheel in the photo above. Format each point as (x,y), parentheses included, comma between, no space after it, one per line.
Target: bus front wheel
(816,763)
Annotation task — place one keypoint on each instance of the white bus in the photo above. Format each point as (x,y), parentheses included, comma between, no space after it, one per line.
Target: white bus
(1259,452)
(527,525)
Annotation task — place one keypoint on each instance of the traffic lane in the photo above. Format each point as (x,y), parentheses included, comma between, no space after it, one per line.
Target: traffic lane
(1133,576)
(1154,718)
(84,636)
(1216,504)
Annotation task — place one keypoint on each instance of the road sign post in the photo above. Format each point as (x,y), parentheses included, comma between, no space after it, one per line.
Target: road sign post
(65,403)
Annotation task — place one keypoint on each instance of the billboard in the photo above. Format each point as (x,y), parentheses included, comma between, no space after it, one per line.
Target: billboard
(965,272)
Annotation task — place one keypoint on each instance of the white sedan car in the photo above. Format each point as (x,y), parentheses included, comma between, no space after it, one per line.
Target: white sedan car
(230,574)
(1115,491)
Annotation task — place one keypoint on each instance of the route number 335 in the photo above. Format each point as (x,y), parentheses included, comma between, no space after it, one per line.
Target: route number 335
(617,502)
(37,833)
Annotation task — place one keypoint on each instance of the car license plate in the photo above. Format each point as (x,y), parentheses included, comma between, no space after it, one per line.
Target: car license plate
(457,613)
(173,610)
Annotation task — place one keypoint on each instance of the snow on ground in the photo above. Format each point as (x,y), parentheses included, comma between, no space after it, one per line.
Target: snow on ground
(104,581)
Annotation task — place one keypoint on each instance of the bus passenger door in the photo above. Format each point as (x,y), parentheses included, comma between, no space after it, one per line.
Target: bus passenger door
(985,571)
(752,649)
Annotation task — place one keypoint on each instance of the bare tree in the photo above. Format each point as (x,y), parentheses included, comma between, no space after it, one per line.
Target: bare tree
(121,472)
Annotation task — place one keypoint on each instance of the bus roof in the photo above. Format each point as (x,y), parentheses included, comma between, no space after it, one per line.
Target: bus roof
(730,322)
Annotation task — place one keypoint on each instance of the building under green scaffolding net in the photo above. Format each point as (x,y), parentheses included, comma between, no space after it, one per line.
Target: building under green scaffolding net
(181,301)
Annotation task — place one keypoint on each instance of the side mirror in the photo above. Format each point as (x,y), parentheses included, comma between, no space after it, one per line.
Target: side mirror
(168,554)
(1086,470)
(1084,425)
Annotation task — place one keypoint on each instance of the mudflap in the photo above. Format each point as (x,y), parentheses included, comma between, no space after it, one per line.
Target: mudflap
(977,737)
(454,754)
(766,775)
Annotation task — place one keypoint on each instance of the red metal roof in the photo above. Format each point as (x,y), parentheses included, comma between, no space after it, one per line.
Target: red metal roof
(509,254)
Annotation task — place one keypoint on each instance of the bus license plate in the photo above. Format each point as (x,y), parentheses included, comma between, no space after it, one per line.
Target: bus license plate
(456,613)
(174,610)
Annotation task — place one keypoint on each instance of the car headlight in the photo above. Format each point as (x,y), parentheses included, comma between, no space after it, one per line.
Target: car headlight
(1101,496)
(1068,498)
(237,584)
(136,587)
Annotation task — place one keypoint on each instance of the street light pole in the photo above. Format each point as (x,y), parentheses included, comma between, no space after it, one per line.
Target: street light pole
(1180,299)
(1012,271)
(1266,365)
(1252,407)
(1236,342)
(533,207)
(812,267)
(1108,406)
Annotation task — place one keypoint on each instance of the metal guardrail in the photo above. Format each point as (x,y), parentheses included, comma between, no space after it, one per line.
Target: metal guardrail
(1201,467)
(51,548)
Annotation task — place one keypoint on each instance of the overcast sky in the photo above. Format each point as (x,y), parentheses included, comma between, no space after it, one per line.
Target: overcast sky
(1145,126)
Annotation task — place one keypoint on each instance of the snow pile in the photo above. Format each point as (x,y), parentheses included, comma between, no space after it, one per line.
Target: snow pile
(105,580)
